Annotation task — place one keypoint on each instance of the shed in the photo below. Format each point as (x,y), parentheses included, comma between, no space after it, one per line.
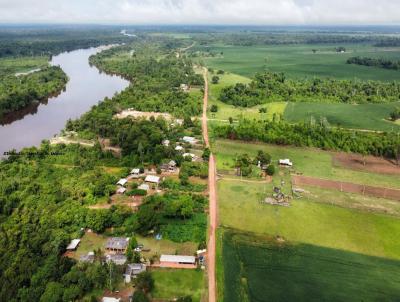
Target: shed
(189,139)
(177,261)
(152,179)
(132,270)
(73,244)
(117,259)
(122,182)
(285,162)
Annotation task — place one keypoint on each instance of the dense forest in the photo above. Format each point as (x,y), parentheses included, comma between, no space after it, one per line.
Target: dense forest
(382,63)
(17,92)
(319,136)
(275,87)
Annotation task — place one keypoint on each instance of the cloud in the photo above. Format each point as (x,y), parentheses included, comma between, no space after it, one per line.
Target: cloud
(261,12)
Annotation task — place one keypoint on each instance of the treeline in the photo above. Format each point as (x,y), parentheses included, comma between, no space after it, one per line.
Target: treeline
(275,87)
(382,63)
(18,92)
(306,135)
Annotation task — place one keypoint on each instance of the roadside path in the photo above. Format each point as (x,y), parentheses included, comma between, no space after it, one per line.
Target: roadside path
(212,199)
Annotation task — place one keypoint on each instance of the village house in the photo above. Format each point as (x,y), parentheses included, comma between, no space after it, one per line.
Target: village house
(178,261)
(117,245)
(89,257)
(132,270)
(122,182)
(152,179)
(189,139)
(178,148)
(117,259)
(110,299)
(144,187)
(121,190)
(169,167)
(73,245)
(285,162)
(135,173)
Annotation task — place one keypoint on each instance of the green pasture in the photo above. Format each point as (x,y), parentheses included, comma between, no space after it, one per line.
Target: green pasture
(262,269)
(308,161)
(299,61)
(305,221)
(175,283)
(362,116)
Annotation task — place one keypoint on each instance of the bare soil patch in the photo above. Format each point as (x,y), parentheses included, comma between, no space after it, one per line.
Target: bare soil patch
(379,192)
(372,164)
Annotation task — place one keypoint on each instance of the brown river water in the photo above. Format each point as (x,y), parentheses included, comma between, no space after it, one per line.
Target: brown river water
(86,87)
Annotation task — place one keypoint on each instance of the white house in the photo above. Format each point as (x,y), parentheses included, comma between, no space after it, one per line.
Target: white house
(135,172)
(144,186)
(285,162)
(152,179)
(189,139)
(122,182)
(73,245)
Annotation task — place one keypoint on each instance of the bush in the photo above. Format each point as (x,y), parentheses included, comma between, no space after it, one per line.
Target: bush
(214,108)
(270,170)
(137,192)
(215,80)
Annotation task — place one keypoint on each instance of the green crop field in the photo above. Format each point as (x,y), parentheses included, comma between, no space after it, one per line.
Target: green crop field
(310,162)
(262,269)
(363,116)
(25,64)
(175,283)
(299,61)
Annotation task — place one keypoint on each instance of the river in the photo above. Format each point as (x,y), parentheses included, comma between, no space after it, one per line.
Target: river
(85,88)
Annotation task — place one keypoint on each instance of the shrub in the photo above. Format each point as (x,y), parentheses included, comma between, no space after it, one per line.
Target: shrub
(137,192)
(270,170)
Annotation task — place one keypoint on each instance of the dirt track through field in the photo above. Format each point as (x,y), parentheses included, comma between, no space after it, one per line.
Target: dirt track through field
(379,192)
(212,200)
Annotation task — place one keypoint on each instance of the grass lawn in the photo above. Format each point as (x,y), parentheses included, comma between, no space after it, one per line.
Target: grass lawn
(23,64)
(175,283)
(225,111)
(158,247)
(363,116)
(89,243)
(310,162)
(307,222)
(259,268)
(299,61)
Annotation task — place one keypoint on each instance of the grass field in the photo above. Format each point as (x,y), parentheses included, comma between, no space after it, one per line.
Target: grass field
(225,111)
(24,64)
(363,116)
(174,283)
(299,61)
(261,269)
(310,162)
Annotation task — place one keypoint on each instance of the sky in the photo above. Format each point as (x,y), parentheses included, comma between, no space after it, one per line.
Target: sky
(240,12)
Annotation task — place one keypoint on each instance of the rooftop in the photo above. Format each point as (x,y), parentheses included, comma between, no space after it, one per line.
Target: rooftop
(122,182)
(74,244)
(152,178)
(118,243)
(135,171)
(178,259)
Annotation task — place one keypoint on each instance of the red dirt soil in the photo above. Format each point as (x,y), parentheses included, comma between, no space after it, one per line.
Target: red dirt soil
(379,192)
(372,164)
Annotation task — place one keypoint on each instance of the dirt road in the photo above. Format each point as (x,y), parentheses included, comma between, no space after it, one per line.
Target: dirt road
(212,199)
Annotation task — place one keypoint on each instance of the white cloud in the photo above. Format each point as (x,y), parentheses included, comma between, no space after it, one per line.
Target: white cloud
(203,11)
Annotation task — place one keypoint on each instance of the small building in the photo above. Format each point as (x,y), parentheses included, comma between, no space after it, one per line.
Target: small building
(169,167)
(178,261)
(132,270)
(117,259)
(135,173)
(73,245)
(121,190)
(166,142)
(178,148)
(201,252)
(184,87)
(89,257)
(285,162)
(117,245)
(144,187)
(110,299)
(122,182)
(152,179)
(189,139)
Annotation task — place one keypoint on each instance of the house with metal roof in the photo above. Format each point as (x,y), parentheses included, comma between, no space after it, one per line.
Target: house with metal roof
(152,179)
(122,182)
(73,245)
(118,259)
(117,245)
(178,261)
(189,139)
(132,270)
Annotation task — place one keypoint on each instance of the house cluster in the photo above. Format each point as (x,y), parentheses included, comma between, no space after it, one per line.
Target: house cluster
(191,141)
(149,180)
